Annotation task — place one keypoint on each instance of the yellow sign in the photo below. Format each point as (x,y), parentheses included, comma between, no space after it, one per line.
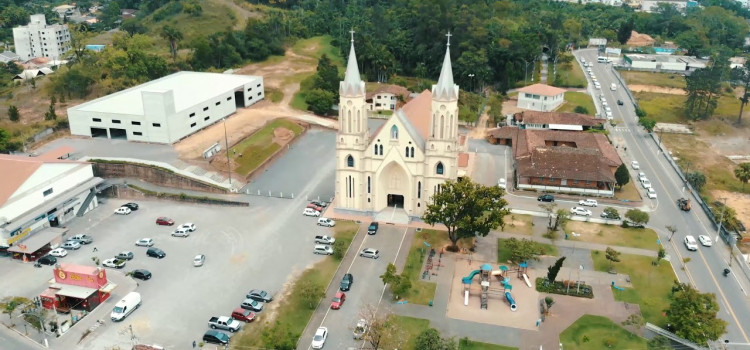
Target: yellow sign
(19,236)
(61,274)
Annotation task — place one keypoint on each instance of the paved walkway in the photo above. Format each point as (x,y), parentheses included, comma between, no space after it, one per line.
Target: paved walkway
(543,75)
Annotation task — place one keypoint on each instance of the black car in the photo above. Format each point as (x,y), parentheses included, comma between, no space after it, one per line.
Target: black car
(619,102)
(611,216)
(346,282)
(155,253)
(546,198)
(47,260)
(131,206)
(260,295)
(320,203)
(141,274)
(215,337)
(373,228)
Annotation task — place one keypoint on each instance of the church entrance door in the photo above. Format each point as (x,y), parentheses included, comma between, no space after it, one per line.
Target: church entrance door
(395,200)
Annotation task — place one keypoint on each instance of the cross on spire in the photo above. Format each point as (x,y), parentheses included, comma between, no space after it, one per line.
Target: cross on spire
(449,35)
(352,33)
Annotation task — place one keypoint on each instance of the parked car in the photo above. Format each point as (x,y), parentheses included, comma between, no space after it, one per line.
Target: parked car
(651,193)
(310,212)
(144,242)
(58,252)
(690,243)
(373,228)
(225,323)
(326,222)
(705,240)
(634,164)
(189,226)
(114,263)
(323,239)
(580,211)
(360,329)
(501,183)
(371,253)
(126,255)
(82,239)
(338,300)
(252,305)
(47,260)
(611,216)
(71,245)
(216,337)
(199,260)
(319,339)
(181,232)
(546,198)
(646,183)
(122,211)
(315,207)
(164,221)
(156,253)
(260,295)
(642,176)
(588,202)
(141,274)
(346,282)
(243,315)
(132,206)
(323,204)
(323,249)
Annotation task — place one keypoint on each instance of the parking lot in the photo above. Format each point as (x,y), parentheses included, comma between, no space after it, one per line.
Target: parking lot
(491,163)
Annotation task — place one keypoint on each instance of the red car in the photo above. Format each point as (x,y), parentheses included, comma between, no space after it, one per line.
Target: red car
(313,206)
(241,314)
(164,221)
(338,300)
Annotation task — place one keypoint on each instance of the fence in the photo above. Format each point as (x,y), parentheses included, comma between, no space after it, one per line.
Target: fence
(285,195)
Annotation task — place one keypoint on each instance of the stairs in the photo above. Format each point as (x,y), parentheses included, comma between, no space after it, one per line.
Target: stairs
(393,215)
(483,306)
(86,202)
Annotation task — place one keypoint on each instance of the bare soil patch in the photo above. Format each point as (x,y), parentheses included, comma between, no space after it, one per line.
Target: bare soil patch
(740,202)
(657,89)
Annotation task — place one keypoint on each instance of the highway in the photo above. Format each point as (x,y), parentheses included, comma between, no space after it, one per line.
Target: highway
(704,270)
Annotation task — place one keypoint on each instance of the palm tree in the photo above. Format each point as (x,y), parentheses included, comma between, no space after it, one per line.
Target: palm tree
(173,35)
(742,172)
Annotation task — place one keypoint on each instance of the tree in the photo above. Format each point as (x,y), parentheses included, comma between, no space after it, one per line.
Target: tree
(133,26)
(581,109)
(399,284)
(549,208)
(523,250)
(553,270)
(672,230)
(696,179)
(693,315)
(6,145)
(659,343)
(647,123)
(742,172)
(703,87)
(612,213)
(495,106)
(430,339)
(9,304)
(549,301)
(50,114)
(467,208)
(622,175)
(382,328)
(613,256)
(13,114)
(173,36)
(390,275)
(640,113)
(339,249)
(327,76)
(625,30)
(279,337)
(111,14)
(742,75)
(637,217)
(319,101)
(311,293)
(562,217)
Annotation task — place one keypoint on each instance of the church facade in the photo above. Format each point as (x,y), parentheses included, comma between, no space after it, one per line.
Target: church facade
(405,161)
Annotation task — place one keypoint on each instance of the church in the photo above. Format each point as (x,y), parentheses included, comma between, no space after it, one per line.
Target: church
(396,169)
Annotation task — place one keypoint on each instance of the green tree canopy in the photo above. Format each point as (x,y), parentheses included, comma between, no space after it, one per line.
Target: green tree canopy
(320,101)
(622,175)
(696,179)
(523,250)
(327,76)
(637,216)
(430,339)
(693,315)
(742,172)
(553,270)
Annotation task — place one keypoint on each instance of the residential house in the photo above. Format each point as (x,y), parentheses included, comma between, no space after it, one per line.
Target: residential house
(387,97)
(555,121)
(540,97)
(9,56)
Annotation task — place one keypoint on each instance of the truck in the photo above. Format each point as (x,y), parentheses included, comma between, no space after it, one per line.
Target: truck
(224,322)
(684,204)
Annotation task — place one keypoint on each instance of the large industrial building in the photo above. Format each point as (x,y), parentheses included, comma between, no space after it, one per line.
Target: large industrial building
(39,39)
(166,110)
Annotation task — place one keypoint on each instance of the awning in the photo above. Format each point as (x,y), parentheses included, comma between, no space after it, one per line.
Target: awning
(108,288)
(76,291)
(565,127)
(37,240)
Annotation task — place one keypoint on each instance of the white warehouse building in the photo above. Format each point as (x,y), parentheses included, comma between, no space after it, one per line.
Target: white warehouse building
(168,109)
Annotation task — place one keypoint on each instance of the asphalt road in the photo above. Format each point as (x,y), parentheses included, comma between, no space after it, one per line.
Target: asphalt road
(706,264)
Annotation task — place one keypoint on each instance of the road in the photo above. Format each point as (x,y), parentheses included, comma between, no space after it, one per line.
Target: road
(705,265)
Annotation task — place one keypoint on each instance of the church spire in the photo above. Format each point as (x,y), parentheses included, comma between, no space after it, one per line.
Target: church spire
(445,88)
(352,84)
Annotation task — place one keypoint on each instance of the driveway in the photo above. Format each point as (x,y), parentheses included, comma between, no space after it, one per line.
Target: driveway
(492,162)
(100,147)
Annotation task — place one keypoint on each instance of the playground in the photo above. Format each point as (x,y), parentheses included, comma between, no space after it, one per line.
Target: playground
(497,295)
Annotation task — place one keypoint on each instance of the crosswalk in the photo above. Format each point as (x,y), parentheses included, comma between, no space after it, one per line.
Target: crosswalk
(621,129)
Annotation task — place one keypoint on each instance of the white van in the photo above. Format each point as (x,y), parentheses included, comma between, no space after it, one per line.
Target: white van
(613,87)
(124,307)
(601,59)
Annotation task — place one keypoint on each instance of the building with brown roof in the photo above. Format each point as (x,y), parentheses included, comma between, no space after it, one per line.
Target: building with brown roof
(41,192)
(560,161)
(540,97)
(387,97)
(555,121)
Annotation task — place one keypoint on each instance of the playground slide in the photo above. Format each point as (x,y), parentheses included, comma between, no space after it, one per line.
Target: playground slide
(617,287)
(511,301)
(526,279)
(466,298)
(467,279)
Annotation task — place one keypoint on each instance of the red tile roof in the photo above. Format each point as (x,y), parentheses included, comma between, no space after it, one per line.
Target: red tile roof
(463,160)
(16,169)
(534,117)
(418,113)
(542,89)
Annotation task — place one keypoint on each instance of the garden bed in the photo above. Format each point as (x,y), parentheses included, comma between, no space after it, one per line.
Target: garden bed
(561,287)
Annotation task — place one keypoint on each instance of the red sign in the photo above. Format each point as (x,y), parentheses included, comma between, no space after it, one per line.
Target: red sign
(82,276)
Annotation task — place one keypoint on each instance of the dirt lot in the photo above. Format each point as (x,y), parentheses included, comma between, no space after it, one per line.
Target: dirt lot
(740,202)
(658,89)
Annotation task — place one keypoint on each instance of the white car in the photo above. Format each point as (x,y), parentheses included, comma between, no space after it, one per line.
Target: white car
(690,243)
(144,242)
(122,211)
(705,240)
(187,226)
(310,212)
(199,260)
(181,232)
(501,183)
(634,164)
(114,263)
(326,222)
(580,211)
(605,104)
(646,183)
(597,86)
(371,253)
(642,176)
(319,339)
(588,202)
(651,193)
(58,252)
(71,245)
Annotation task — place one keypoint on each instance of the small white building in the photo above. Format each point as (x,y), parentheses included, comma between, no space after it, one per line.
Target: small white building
(9,56)
(387,97)
(540,97)
(651,5)
(168,109)
(41,192)
(38,39)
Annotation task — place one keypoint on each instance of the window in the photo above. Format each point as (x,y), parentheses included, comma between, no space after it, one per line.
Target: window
(206,118)
(97,120)
(439,168)
(381,150)
(192,114)
(412,152)
(419,189)
(218,103)
(47,192)
(394,132)
(407,152)
(115,121)
(350,161)
(135,123)
(229,98)
(259,93)
(250,98)
(257,85)
(192,125)
(205,109)
(137,133)
(368,184)
(249,89)
(376,150)
(156,125)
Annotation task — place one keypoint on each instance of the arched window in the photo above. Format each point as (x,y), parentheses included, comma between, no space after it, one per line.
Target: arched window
(376,150)
(419,189)
(381,150)
(394,132)
(438,168)
(412,152)
(350,163)
(407,152)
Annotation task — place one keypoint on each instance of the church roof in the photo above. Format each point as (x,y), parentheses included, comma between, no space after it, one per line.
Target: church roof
(352,84)
(418,113)
(410,128)
(445,89)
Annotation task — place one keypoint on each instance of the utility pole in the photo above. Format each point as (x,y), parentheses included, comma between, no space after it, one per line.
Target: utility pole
(471,81)
(721,219)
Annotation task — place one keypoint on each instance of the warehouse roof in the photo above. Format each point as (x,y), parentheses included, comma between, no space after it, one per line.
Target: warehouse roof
(188,88)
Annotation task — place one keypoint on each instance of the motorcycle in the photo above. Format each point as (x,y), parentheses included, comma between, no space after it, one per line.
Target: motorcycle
(726,272)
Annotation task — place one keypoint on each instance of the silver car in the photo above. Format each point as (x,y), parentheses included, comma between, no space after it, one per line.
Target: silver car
(371,253)
(181,232)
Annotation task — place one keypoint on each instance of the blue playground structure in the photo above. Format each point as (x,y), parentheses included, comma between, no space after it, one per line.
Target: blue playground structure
(617,287)
(511,301)
(485,272)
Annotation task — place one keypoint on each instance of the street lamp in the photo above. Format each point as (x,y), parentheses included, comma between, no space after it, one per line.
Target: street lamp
(471,81)
(525,71)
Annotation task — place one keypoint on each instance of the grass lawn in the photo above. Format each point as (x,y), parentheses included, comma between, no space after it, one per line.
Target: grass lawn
(657,79)
(503,255)
(422,292)
(651,284)
(468,344)
(664,108)
(629,192)
(518,224)
(275,95)
(258,147)
(613,235)
(571,75)
(598,332)
(216,17)
(412,327)
(298,100)
(292,309)
(318,46)
(574,99)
